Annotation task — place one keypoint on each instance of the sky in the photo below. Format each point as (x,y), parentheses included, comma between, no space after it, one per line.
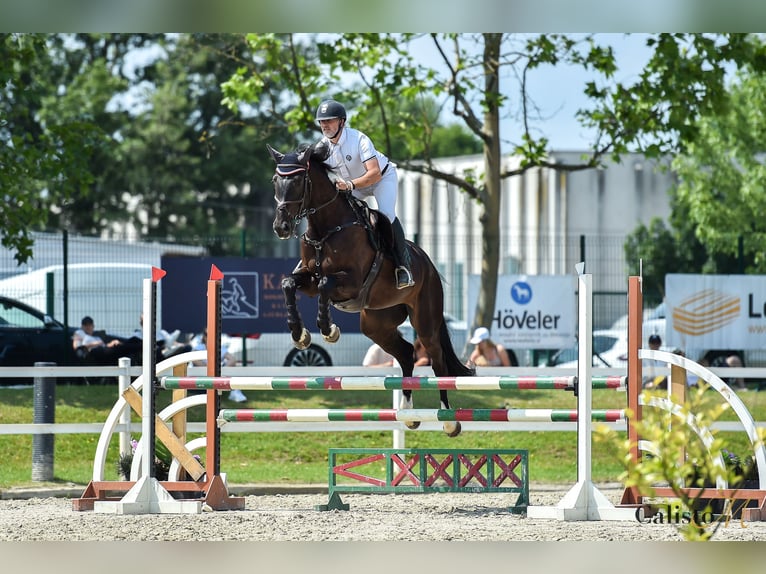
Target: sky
(558,92)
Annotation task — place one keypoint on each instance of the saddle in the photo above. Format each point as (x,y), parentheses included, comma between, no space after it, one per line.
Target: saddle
(379,230)
(381,238)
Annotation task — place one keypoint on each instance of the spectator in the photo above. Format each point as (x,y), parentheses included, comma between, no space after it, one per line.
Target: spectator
(736,382)
(91,348)
(167,343)
(227,360)
(420,354)
(487,353)
(377,357)
(651,379)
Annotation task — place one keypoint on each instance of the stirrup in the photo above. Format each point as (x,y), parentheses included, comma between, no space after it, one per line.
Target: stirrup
(403,278)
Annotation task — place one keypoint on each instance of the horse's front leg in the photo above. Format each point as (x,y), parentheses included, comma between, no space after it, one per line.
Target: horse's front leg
(330,331)
(300,335)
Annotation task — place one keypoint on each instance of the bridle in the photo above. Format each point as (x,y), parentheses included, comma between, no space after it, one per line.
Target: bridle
(291,169)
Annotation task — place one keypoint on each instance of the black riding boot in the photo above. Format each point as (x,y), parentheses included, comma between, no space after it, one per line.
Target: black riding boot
(401,257)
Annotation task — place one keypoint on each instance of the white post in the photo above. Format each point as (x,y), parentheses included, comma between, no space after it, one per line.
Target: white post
(398,434)
(123,383)
(584,368)
(583,501)
(147,418)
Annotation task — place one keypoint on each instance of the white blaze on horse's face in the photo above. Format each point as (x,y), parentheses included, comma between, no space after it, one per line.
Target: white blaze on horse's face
(288,193)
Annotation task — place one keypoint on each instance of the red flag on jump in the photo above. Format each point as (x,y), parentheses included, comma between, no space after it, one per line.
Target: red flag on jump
(215,273)
(158,274)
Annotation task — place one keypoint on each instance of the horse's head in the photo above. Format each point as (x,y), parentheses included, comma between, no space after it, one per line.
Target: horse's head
(292,188)
(292,185)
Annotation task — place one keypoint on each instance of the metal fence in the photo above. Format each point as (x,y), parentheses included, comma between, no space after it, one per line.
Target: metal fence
(103,278)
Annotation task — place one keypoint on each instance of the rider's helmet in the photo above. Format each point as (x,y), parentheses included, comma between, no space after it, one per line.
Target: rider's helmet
(330,109)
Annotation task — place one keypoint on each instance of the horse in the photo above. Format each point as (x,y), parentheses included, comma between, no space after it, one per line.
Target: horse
(346,263)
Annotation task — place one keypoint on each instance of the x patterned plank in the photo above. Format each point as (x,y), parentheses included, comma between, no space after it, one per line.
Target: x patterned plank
(506,470)
(473,470)
(441,470)
(406,469)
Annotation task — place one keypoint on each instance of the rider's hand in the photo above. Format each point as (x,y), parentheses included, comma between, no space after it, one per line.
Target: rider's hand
(344,185)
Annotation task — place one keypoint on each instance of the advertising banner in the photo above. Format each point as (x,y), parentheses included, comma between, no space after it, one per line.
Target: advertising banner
(531,311)
(716,311)
(251,296)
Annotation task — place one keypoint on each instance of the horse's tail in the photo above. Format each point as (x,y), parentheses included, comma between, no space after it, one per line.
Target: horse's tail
(455,367)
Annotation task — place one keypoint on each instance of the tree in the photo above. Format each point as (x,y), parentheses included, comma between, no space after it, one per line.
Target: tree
(173,162)
(655,114)
(657,250)
(723,176)
(45,152)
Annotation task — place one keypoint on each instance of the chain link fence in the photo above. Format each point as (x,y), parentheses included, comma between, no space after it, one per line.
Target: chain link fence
(102,271)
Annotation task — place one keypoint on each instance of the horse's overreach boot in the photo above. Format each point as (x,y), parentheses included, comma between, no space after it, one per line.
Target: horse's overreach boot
(401,257)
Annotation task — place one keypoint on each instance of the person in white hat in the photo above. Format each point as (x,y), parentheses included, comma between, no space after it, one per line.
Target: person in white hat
(489,354)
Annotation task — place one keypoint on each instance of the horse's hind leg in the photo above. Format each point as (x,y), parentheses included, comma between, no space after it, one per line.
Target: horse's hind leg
(330,331)
(428,320)
(300,335)
(452,428)
(381,325)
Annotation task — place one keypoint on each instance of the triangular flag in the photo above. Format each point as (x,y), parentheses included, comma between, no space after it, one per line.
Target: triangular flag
(215,273)
(158,274)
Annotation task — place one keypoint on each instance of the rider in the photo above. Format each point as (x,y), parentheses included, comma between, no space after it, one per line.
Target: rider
(364,171)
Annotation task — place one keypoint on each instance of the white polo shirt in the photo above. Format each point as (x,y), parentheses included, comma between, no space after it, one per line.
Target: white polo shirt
(347,157)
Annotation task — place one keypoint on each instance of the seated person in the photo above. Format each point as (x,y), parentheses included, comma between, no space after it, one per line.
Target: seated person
(227,360)
(651,379)
(419,354)
(487,353)
(377,357)
(167,343)
(91,348)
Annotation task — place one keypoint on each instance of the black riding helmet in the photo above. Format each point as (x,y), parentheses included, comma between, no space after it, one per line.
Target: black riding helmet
(330,109)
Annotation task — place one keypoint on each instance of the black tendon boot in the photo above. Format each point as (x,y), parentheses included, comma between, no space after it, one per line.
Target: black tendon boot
(401,257)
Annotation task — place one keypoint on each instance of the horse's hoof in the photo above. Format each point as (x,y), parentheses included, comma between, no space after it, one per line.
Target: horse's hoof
(334,334)
(304,341)
(452,429)
(407,404)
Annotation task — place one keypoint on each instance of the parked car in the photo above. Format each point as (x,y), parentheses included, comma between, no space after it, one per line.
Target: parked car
(111,293)
(276,349)
(28,336)
(610,349)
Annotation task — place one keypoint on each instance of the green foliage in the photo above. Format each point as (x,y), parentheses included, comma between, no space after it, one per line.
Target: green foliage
(723,177)
(681,458)
(655,250)
(44,151)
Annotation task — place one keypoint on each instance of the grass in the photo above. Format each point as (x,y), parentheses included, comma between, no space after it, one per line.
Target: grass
(301,457)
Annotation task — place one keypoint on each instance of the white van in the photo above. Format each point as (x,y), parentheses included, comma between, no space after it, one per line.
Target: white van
(111,293)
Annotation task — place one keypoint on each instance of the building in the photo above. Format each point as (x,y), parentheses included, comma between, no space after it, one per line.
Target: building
(549,220)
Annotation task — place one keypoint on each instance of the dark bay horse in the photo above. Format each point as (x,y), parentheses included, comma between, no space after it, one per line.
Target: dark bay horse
(340,266)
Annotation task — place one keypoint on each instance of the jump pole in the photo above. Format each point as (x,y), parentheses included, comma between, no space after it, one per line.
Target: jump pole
(217,494)
(583,501)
